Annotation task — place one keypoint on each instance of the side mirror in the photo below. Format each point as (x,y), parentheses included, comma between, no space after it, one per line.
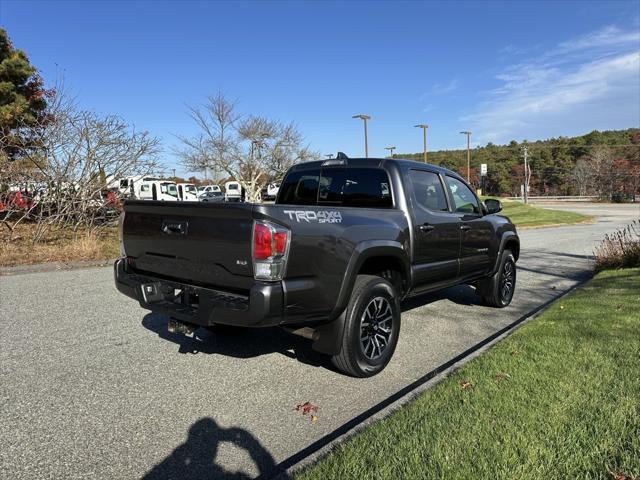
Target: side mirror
(492,205)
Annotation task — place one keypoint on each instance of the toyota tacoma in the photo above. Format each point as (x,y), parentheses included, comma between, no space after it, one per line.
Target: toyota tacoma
(345,242)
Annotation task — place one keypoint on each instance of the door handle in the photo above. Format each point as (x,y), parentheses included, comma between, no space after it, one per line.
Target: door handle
(425,227)
(464,228)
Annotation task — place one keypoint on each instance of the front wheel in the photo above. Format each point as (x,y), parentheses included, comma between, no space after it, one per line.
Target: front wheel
(498,290)
(372,326)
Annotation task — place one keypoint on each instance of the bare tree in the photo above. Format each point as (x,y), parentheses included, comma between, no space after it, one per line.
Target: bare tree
(602,163)
(251,149)
(66,176)
(583,175)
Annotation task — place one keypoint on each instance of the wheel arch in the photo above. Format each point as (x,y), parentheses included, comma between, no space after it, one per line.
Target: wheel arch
(373,258)
(510,241)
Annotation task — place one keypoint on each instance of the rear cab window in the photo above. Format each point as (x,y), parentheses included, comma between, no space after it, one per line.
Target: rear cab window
(337,186)
(300,187)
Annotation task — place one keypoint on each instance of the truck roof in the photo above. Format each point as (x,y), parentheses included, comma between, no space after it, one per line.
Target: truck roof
(372,163)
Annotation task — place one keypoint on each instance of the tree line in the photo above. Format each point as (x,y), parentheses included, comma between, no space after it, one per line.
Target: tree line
(605,164)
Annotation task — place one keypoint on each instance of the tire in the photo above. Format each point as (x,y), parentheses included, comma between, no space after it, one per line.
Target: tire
(371,329)
(497,291)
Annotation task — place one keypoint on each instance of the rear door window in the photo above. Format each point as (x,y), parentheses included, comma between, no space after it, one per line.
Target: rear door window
(300,188)
(428,190)
(355,187)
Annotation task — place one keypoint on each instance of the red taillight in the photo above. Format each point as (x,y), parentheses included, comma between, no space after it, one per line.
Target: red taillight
(270,250)
(261,241)
(280,242)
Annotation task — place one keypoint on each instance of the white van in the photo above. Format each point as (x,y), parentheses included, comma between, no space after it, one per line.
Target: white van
(187,192)
(208,188)
(129,187)
(159,190)
(232,192)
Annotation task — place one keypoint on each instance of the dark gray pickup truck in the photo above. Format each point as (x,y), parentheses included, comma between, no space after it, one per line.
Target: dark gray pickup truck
(331,260)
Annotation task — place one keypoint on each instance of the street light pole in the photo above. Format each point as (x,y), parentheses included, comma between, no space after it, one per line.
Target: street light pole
(391,149)
(424,127)
(468,134)
(366,140)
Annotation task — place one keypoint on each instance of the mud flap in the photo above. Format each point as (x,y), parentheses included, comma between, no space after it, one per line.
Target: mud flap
(329,336)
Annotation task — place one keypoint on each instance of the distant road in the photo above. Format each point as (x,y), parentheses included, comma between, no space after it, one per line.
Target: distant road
(92,386)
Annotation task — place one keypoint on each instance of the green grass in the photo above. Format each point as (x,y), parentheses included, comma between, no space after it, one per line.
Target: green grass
(523,215)
(559,398)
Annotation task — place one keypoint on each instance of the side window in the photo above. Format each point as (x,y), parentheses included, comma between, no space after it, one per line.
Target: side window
(144,188)
(463,198)
(355,187)
(428,190)
(299,188)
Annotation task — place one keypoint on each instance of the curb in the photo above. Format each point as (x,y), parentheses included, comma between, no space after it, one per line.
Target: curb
(304,458)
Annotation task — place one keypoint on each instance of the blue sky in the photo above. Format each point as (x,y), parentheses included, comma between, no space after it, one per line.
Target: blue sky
(504,70)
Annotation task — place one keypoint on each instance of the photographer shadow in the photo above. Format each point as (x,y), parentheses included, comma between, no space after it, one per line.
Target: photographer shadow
(195,459)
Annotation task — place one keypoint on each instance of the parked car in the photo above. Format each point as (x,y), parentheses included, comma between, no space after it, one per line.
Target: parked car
(16,200)
(233,192)
(129,187)
(187,192)
(208,188)
(212,197)
(345,242)
(158,190)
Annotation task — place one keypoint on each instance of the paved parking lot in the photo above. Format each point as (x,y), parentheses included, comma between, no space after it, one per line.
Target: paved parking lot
(92,386)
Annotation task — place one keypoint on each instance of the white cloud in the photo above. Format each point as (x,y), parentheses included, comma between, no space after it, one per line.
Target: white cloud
(605,37)
(590,82)
(441,89)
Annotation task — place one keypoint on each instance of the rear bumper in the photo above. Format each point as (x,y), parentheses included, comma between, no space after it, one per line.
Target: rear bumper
(202,306)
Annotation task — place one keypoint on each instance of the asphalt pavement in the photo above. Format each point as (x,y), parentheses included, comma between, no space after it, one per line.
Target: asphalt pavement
(92,386)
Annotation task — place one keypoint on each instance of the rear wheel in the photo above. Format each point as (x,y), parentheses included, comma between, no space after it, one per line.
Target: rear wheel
(372,326)
(497,291)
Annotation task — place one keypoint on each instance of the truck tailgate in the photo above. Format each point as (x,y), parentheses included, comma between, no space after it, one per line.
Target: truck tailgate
(204,244)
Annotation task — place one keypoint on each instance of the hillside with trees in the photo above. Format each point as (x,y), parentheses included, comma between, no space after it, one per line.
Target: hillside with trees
(605,163)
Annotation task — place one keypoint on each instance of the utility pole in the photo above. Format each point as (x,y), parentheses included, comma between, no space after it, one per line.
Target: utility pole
(526,174)
(366,140)
(174,173)
(468,134)
(391,149)
(424,130)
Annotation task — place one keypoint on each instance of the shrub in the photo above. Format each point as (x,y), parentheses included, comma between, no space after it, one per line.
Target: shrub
(620,249)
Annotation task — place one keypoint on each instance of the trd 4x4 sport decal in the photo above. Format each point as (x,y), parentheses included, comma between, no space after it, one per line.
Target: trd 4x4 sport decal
(322,216)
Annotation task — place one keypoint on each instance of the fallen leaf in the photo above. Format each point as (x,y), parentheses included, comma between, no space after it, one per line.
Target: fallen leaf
(464,384)
(561,307)
(619,307)
(501,376)
(619,475)
(515,352)
(314,419)
(306,408)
